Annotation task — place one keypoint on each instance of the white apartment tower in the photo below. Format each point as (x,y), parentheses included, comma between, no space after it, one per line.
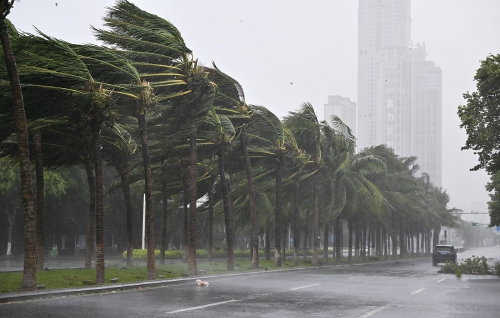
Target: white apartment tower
(399,92)
(343,108)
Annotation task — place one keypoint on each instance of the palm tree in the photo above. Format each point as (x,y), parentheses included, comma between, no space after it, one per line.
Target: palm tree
(29,271)
(273,145)
(118,149)
(37,140)
(75,71)
(220,137)
(306,128)
(159,53)
(224,116)
(204,101)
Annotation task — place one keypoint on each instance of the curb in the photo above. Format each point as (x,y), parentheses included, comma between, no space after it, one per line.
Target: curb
(66,292)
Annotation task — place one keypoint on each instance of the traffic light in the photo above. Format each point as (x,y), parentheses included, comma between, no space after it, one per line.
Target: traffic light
(475,224)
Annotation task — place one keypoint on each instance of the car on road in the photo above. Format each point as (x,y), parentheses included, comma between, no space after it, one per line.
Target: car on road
(443,253)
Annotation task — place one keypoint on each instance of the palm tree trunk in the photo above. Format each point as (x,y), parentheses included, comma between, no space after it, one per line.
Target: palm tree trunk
(306,234)
(11,217)
(268,244)
(277,216)
(29,270)
(377,241)
(429,245)
(210,219)
(37,140)
(357,243)
(228,213)
(421,248)
(416,241)
(338,240)
(384,243)
(283,244)
(251,194)
(99,211)
(401,240)
(148,186)
(369,235)
(349,255)
(193,196)
(89,242)
(325,243)
(185,221)
(296,225)
(314,261)
(394,239)
(123,172)
(164,216)
(363,243)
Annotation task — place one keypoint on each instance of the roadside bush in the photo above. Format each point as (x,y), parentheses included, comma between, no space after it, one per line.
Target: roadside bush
(475,265)
(177,254)
(497,269)
(449,267)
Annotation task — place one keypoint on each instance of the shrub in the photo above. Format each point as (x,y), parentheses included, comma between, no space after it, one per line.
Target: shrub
(497,269)
(474,265)
(449,267)
(216,253)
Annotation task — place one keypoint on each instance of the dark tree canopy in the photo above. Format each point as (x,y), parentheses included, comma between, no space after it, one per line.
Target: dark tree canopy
(494,204)
(481,116)
(481,120)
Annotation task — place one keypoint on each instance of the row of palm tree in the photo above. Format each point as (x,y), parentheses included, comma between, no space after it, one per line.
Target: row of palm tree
(88,105)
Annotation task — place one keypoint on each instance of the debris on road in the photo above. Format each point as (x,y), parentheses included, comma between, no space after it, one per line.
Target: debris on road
(201,283)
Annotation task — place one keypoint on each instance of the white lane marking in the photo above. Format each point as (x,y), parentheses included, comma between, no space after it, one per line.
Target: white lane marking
(374,311)
(356,276)
(440,280)
(199,307)
(417,291)
(304,286)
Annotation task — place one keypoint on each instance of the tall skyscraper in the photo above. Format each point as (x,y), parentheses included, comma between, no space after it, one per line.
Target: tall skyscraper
(399,92)
(343,108)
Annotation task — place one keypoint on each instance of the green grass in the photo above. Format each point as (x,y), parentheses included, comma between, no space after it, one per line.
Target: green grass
(73,278)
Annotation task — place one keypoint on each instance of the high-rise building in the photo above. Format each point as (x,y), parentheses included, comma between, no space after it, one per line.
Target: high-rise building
(399,92)
(426,115)
(343,108)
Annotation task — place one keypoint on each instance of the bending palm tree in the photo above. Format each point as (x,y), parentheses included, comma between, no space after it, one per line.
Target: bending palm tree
(305,127)
(158,51)
(29,271)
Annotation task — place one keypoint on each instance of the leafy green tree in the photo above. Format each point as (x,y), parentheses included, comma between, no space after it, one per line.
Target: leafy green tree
(494,204)
(479,117)
(9,190)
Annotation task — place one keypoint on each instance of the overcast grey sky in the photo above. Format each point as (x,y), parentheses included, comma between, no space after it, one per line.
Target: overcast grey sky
(268,44)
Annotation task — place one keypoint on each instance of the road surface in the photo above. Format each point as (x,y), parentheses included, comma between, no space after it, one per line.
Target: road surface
(409,288)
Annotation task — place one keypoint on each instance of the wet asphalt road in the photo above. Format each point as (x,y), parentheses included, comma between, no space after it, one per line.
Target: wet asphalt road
(410,288)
